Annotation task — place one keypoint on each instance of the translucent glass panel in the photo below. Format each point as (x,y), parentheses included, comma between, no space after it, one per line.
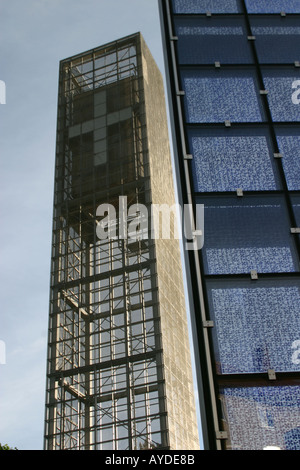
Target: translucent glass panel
(220,95)
(280,85)
(257,325)
(208,40)
(225,160)
(289,145)
(277,39)
(247,233)
(203,6)
(260,417)
(273,6)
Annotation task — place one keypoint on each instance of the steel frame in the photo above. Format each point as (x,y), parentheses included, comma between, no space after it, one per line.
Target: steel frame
(107,380)
(105,387)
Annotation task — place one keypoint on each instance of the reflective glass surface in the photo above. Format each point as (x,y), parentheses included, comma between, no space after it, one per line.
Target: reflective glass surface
(296,206)
(228,159)
(220,95)
(273,6)
(256,321)
(262,417)
(244,234)
(257,325)
(207,40)
(203,6)
(289,145)
(277,39)
(280,85)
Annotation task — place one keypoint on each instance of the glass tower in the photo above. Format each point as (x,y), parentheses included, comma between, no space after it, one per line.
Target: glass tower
(233,71)
(119,371)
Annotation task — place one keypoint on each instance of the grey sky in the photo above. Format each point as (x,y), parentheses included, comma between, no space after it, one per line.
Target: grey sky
(34,36)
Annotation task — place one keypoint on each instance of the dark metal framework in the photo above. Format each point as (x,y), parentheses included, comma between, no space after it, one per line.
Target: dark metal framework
(105,386)
(106,376)
(232,415)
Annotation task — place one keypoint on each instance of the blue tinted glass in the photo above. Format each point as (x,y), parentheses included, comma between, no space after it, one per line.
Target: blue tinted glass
(248,318)
(289,146)
(247,233)
(282,86)
(225,160)
(208,40)
(296,206)
(220,95)
(203,6)
(259,417)
(273,6)
(277,39)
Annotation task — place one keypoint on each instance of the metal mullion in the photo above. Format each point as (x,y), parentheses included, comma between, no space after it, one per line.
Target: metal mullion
(286,191)
(248,378)
(271,123)
(173,62)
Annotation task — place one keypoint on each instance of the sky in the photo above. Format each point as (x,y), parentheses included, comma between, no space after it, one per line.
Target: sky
(34,36)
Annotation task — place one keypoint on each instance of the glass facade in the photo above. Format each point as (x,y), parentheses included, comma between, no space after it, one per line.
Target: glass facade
(233,71)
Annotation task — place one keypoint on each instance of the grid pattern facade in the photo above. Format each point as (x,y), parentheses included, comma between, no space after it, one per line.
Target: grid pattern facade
(109,354)
(233,73)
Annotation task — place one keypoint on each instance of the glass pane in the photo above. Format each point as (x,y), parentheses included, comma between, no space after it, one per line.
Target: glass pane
(225,160)
(261,417)
(289,146)
(203,6)
(279,83)
(296,206)
(257,325)
(209,40)
(244,234)
(220,95)
(273,6)
(277,39)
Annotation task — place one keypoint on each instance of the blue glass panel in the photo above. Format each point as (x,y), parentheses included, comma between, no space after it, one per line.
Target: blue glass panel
(279,84)
(257,325)
(225,160)
(248,233)
(273,6)
(277,39)
(289,146)
(207,40)
(203,6)
(296,206)
(220,95)
(261,417)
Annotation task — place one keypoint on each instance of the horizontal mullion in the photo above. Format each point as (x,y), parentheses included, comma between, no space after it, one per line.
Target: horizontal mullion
(235,15)
(239,276)
(234,194)
(258,379)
